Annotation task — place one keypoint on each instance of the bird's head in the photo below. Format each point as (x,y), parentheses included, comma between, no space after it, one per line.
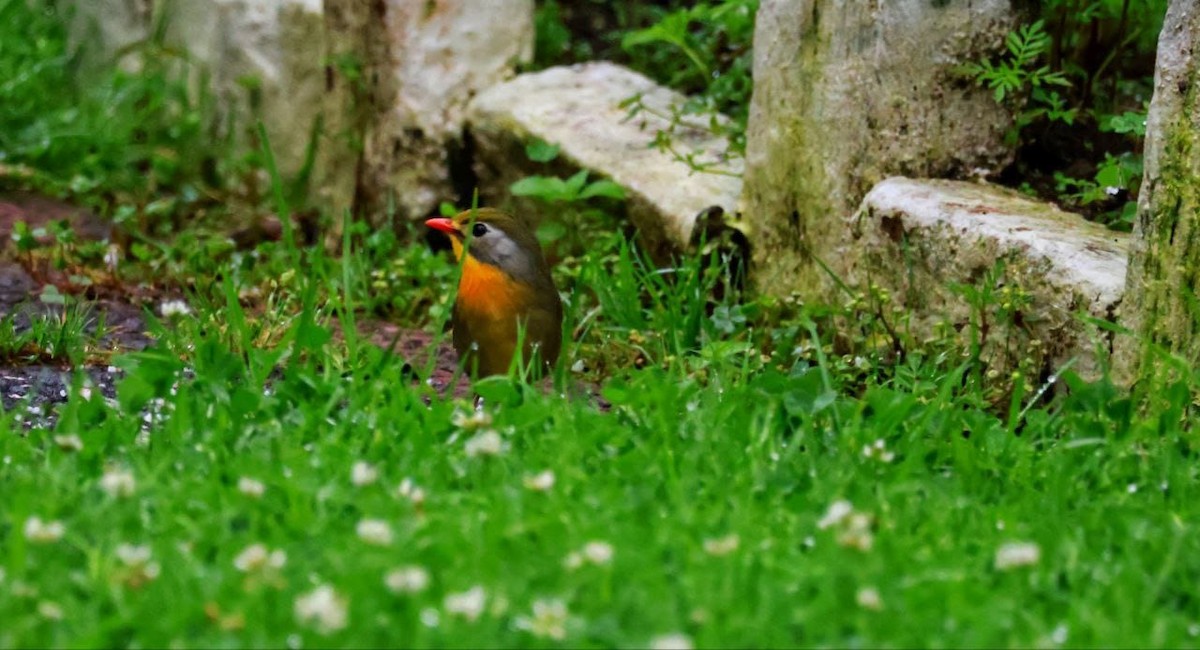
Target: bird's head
(495,238)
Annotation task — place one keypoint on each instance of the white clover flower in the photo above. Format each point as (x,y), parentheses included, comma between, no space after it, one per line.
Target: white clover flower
(257,557)
(598,552)
(856,533)
(374,531)
(172,308)
(70,442)
(540,482)
(131,555)
(485,443)
(673,641)
(471,421)
(838,511)
(251,487)
(139,563)
(323,608)
(43,532)
(853,528)
(1012,555)
(407,580)
(878,451)
(722,545)
(430,617)
(411,491)
(868,598)
(118,482)
(594,552)
(468,604)
(548,621)
(50,610)
(363,473)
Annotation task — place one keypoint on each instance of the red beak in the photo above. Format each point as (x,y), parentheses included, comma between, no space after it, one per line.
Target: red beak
(445,225)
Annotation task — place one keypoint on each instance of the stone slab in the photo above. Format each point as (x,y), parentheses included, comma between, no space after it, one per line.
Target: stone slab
(583,109)
(920,237)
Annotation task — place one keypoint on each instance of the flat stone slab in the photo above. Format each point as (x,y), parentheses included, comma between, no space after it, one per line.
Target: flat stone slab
(1044,268)
(584,110)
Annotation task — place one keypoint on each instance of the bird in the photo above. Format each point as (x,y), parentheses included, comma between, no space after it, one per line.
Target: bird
(505,292)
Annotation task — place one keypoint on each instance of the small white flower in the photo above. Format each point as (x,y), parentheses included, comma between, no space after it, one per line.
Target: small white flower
(112,257)
(407,580)
(673,641)
(549,620)
(411,491)
(471,421)
(374,531)
(572,561)
(722,545)
(1132,489)
(1013,555)
(878,451)
(138,559)
(118,482)
(838,512)
(856,532)
(324,608)
(1112,191)
(43,532)
(171,308)
(430,617)
(540,482)
(598,552)
(363,473)
(853,528)
(251,487)
(468,604)
(70,442)
(50,610)
(132,555)
(485,443)
(257,557)
(868,598)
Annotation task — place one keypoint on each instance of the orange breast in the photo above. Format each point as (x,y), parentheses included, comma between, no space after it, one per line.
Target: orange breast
(489,292)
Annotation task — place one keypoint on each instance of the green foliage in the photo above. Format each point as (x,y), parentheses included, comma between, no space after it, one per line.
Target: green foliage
(714,39)
(1022,81)
(54,336)
(1077,73)
(575,199)
(1020,72)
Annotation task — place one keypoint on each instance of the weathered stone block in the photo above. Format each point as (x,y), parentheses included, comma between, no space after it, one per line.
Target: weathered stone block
(400,76)
(847,93)
(581,109)
(262,59)
(919,238)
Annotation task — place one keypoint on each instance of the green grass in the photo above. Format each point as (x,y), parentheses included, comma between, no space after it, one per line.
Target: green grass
(698,450)
(701,504)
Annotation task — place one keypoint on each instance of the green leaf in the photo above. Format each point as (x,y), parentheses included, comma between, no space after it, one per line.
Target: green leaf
(541,151)
(603,188)
(574,184)
(544,187)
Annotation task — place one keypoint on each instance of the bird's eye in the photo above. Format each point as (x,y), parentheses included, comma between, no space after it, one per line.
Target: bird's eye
(479,230)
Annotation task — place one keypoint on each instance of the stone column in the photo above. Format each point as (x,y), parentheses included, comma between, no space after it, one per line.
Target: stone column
(399,76)
(1161,305)
(847,93)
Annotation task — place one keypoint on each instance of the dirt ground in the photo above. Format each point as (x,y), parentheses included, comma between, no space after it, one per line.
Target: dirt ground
(38,388)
